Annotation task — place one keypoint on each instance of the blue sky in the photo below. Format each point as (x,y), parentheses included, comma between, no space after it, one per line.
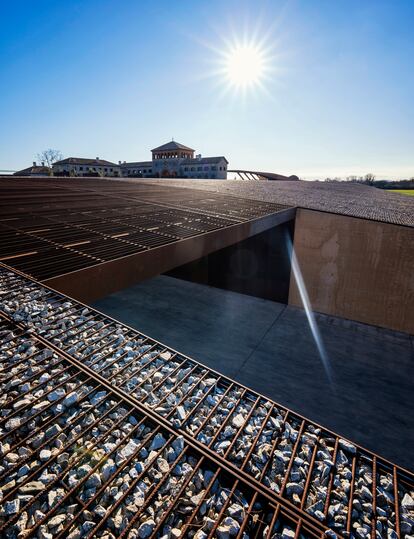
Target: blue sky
(116,78)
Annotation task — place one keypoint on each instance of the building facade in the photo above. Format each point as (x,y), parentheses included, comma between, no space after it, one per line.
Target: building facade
(174,160)
(78,166)
(171,160)
(34,170)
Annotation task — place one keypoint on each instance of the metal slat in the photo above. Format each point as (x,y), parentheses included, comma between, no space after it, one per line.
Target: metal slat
(117,221)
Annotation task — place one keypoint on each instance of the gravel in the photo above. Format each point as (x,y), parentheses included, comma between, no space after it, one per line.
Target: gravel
(407,513)
(55,425)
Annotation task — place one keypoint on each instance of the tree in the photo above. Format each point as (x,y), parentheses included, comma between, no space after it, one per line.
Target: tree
(48,157)
(370,178)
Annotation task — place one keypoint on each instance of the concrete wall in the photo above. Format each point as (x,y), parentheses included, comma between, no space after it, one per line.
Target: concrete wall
(355,268)
(258,266)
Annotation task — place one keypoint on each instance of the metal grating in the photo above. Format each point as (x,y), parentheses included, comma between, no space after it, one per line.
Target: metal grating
(52,227)
(328,482)
(78,460)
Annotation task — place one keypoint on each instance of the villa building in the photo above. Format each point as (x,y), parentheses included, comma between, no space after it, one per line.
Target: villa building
(34,170)
(171,160)
(174,160)
(78,166)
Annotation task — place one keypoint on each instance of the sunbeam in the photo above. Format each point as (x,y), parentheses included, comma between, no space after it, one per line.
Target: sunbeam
(309,312)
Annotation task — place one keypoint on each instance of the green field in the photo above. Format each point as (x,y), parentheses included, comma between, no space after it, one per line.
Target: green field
(404,191)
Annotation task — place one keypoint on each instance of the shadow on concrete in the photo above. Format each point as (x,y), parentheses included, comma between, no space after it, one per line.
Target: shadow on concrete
(268,346)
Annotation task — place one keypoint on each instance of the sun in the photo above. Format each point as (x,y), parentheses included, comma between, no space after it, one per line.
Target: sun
(244,65)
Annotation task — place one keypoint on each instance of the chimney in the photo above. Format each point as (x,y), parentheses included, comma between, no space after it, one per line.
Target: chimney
(34,163)
(43,163)
(119,162)
(97,158)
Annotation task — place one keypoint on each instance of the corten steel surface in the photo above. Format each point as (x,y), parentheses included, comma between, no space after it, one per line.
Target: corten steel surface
(356,269)
(254,175)
(124,372)
(54,228)
(105,278)
(344,198)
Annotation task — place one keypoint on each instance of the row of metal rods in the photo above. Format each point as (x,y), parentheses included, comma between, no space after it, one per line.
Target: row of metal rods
(47,267)
(310,467)
(171,197)
(51,263)
(131,225)
(48,263)
(222,426)
(285,483)
(70,493)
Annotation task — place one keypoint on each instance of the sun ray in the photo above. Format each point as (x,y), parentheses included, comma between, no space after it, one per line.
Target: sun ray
(244,64)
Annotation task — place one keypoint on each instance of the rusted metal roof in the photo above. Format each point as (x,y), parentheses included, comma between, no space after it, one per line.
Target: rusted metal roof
(53,227)
(344,198)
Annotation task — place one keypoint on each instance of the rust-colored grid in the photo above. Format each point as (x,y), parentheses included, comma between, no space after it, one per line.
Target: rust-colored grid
(340,485)
(70,441)
(52,227)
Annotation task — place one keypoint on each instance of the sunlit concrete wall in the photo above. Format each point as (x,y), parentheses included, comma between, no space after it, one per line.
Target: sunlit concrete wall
(356,269)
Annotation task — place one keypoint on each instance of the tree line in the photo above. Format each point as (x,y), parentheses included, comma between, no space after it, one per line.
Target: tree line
(370,179)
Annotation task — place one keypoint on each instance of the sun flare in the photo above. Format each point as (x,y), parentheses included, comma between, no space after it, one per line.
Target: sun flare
(245,65)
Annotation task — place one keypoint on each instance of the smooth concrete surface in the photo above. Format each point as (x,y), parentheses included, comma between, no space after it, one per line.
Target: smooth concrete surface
(268,346)
(356,269)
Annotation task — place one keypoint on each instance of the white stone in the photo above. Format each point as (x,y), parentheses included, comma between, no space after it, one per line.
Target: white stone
(45,454)
(56,521)
(163,465)
(222,446)
(178,444)
(12,507)
(13,423)
(157,443)
(347,446)
(108,469)
(236,511)
(232,525)
(94,481)
(70,399)
(56,394)
(238,421)
(181,413)
(129,449)
(288,533)
(146,528)
(407,502)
